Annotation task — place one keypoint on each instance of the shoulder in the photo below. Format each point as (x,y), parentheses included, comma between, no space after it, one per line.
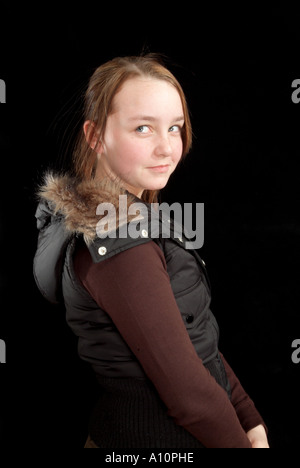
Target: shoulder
(99,259)
(103,249)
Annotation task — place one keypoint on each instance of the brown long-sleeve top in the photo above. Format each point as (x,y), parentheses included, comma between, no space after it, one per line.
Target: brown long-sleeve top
(134,289)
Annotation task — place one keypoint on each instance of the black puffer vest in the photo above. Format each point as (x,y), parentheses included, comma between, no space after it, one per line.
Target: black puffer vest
(99,342)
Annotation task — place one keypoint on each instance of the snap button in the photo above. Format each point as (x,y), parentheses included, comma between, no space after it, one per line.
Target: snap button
(189,318)
(102,250)
(144,233)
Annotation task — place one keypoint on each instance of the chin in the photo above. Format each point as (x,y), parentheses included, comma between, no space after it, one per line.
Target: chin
(157,184)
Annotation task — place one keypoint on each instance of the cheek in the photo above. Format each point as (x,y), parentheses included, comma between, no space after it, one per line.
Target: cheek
(177,151)
(127,154)
(134,151)
(117,147)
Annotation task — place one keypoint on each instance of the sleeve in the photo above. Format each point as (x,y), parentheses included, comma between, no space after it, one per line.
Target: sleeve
(246,411)
(134,289)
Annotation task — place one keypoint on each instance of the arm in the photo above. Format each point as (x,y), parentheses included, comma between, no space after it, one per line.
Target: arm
(133,287)
(248,415)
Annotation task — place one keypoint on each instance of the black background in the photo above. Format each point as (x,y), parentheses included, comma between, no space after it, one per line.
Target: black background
(236,65)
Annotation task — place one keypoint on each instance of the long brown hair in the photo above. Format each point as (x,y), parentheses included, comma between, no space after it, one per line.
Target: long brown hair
(105,82)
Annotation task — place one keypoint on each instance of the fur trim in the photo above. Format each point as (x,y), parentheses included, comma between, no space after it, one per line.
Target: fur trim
(78,201)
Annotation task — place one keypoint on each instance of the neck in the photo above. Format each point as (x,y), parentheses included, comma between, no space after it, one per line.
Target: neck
(103,172)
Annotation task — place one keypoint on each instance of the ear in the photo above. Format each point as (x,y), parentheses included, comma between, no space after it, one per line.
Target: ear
(92,136)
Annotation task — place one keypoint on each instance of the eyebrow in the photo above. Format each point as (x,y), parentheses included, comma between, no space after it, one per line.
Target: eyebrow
(149,118)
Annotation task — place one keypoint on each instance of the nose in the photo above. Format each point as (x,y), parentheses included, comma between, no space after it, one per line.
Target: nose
(163,146)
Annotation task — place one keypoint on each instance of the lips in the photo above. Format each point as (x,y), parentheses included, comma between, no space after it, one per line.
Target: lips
(161,169)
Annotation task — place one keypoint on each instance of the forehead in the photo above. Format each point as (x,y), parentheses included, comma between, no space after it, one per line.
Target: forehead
(147,96)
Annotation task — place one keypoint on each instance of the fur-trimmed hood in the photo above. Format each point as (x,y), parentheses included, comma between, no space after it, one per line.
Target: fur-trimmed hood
(78,202)
(69,209)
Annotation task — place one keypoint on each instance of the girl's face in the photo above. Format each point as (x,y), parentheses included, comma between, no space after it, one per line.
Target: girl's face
(142,142)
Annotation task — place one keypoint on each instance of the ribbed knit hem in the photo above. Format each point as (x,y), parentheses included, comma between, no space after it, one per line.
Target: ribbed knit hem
(130,414)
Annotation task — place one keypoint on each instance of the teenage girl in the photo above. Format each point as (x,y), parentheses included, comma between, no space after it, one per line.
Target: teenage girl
(140,305)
